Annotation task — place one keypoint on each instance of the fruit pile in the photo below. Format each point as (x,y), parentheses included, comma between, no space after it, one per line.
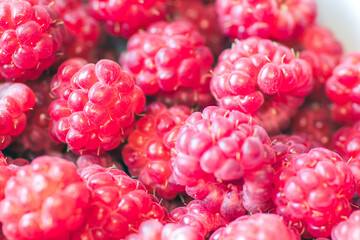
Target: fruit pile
(218,120)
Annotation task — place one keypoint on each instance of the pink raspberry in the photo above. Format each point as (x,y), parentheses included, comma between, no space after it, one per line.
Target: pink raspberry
(168,56)
(154,230)
(314,188)
(342,88)
(196,215)
(262,78)
(258,226)
(147,153)
(347,229)
(275,19)
(44,200)
(225,159)
(124,18)
(119,205)
(31,37)
(96,103)
(15,100)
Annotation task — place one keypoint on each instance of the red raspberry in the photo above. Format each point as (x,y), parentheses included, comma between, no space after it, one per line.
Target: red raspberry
(225,160)
(168,56)
(31,37)
(342,88)
(124,18)
(258,226)
(15,100)
(198,217)
(315,188)
(147,153)
(44,200)
(95,107)
(105,160)
(119,205)
(275,19)
(154,230)
(348,229)
(262,78)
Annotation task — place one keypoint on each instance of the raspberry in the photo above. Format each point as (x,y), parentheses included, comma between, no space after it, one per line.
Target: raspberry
(168,56)
(198,217)
(119,205)
(31,37)
(262,78)
(147,154)
(275,19)
(342,88)
(314,188)
(44,200)
(15,100)
(348,229)
(104,160)
(154,230)
(257,226)
(225,159)
(95,107)
(124,18)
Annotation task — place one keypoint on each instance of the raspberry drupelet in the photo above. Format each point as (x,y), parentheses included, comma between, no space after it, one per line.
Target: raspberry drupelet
(225,159)
(95,105)
(118,206)
(314,189)
(44,200)
(264,79)
(169,56)
(258,226)
(124,18)
(15,100)
(31,37)
(347,229)
(275,19)
(147,153)
(342,88)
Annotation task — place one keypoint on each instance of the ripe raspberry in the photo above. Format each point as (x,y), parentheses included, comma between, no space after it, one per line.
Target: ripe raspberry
(348,229)
(15,100)
(44,200)
(168,56)
(124,18)
(119,205)
(31,37)
(154,230)
(314,188)
(342,88)
(225,160)
(147,153)
(95,108)
(277,19)
(198,217)
(262,78)
(258,226)
(105,160)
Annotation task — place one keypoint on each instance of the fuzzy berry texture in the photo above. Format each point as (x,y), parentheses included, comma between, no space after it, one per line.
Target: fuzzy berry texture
(257,226)
(31,38)
(124,18)
(95,105)
(314,189)
(168,56)
(343,89)
(154,230)
(225,159)
(196,215)
(44,200)
(264,79)
(118,206)
(348,229)
(274,19)
(15,100)
(148,151)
